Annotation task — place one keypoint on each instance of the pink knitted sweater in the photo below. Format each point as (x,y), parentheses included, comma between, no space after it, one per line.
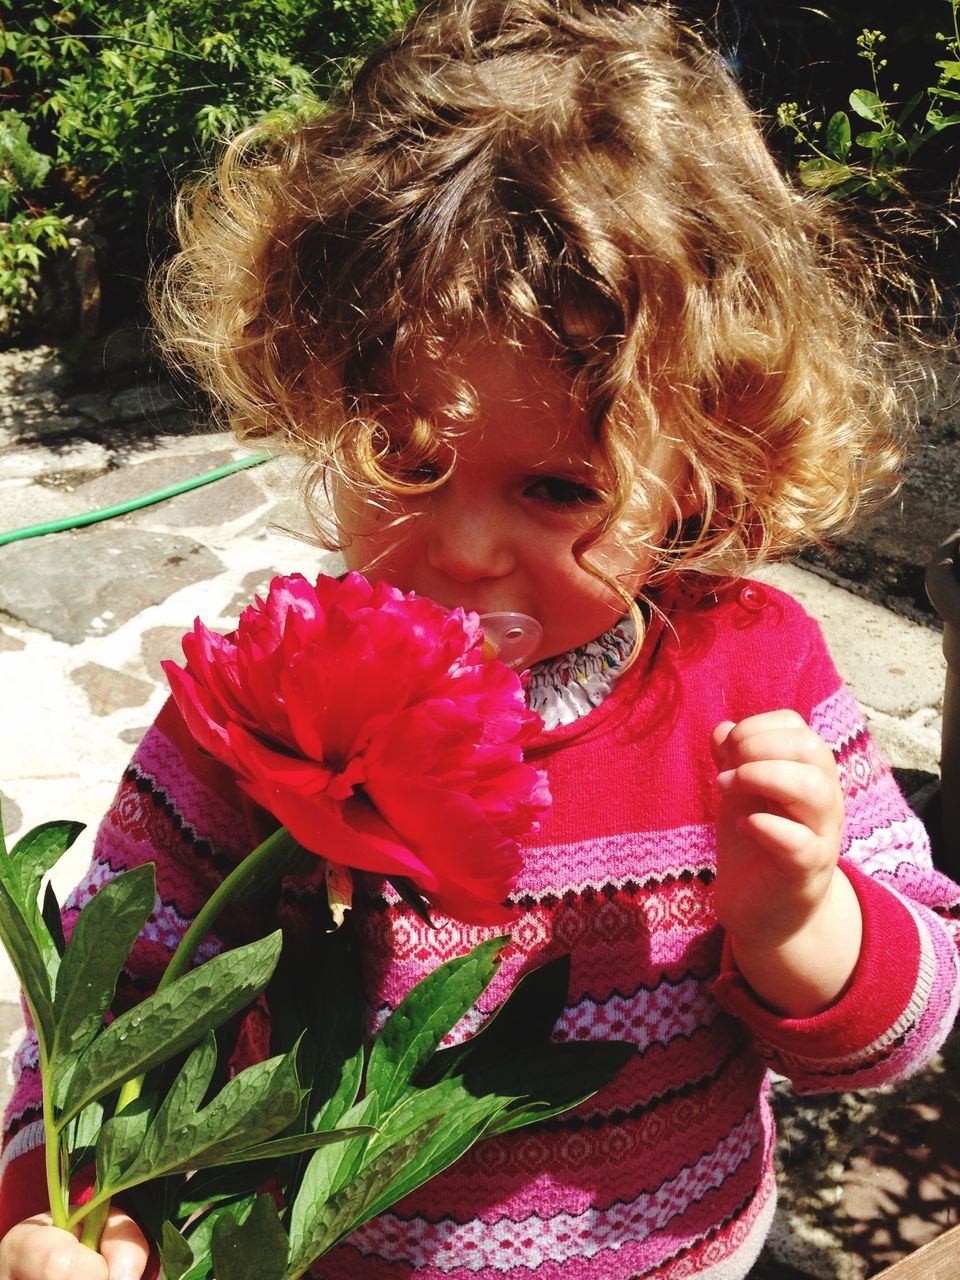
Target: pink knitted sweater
(668,1171)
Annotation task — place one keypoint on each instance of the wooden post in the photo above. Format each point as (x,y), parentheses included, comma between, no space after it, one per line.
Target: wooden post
(938,1260)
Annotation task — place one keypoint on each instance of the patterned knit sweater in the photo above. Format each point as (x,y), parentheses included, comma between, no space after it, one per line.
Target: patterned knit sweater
(667,1172)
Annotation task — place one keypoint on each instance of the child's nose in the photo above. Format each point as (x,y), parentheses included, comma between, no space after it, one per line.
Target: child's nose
(466,544)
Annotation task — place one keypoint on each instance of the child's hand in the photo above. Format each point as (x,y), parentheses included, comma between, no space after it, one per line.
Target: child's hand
(35,1250)
(793,917)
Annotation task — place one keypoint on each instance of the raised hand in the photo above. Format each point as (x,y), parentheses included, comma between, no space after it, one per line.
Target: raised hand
(793,917)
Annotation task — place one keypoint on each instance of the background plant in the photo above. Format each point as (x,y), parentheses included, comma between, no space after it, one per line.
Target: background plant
(874,151)
(110,104)
(30,233)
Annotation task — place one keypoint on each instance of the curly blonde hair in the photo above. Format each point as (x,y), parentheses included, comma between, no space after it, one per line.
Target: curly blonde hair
(577,174)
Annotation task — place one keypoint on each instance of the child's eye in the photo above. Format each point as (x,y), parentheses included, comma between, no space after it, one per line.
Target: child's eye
(559,492)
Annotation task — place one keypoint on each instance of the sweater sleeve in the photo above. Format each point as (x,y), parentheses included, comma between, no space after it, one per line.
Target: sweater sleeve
(902,998)
(182,811)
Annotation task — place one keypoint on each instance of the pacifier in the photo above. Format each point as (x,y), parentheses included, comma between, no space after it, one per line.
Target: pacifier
(513,637)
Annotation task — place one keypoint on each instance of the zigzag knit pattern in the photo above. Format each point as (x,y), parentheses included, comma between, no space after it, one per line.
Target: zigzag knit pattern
(667,1173)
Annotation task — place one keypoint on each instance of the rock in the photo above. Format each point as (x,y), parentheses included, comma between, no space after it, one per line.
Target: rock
(124,351)
(140,479)
(34,463)
(144,402)
(64,298)
(89,582)
(10,813)
(29,504)
(108,690)
(88,288)
(217,503)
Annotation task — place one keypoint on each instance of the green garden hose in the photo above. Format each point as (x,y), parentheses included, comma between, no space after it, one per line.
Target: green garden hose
(132,504)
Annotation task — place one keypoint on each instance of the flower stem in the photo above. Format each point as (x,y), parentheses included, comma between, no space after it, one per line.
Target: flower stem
(269,857)
(56,1193)
(262,867)
(93,1225)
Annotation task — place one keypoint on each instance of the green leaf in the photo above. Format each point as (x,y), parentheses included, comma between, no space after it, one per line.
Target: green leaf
(21,874)
(821,174)
(323,1224)
(171,1021)
(418,1024)
(23,930)
(327,1016)
(461,1119)
(559,1077)
(252,1107)
(950,69)
(200,1234)
(278,1148)
(871,139)
(176,1256)
(103,937)
(50,911)
(867,104)
(525,1019)
(36,853)
(227,1183)
(82,1134)
(939,121)
(120,1140)
(185,1095)
(908,108)
(330,1169)
(27,958)
(255,1249)
(838,135)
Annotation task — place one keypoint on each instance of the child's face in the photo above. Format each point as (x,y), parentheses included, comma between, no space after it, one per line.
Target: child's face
(499,533)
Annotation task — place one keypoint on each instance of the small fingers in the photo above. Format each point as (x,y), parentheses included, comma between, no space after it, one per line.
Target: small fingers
(35,1250)
(779,735)
(124,1247)
(805,793)
(781,837)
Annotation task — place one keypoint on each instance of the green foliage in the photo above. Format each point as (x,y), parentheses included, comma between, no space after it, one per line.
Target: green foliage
(195,1155)
(130,96)
(116,102)
(22,168)
(873,151)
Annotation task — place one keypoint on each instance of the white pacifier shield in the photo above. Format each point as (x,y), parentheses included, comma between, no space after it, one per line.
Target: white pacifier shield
(515,636)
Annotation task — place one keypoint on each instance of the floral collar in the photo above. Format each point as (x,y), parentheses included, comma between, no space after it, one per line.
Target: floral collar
(564,688)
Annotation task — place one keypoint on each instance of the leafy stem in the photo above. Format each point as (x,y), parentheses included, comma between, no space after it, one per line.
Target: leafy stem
(264,865)
(56,1191)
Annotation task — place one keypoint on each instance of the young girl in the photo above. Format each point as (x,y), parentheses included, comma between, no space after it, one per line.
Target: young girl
(555,336)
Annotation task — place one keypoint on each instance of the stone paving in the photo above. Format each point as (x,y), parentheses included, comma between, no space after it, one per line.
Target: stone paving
(87,615)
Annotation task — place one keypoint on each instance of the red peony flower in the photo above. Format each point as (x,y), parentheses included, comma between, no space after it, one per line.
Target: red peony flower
(371,725)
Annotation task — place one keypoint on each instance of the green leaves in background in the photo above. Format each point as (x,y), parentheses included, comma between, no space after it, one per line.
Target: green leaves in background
(896,130)
(118,102)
